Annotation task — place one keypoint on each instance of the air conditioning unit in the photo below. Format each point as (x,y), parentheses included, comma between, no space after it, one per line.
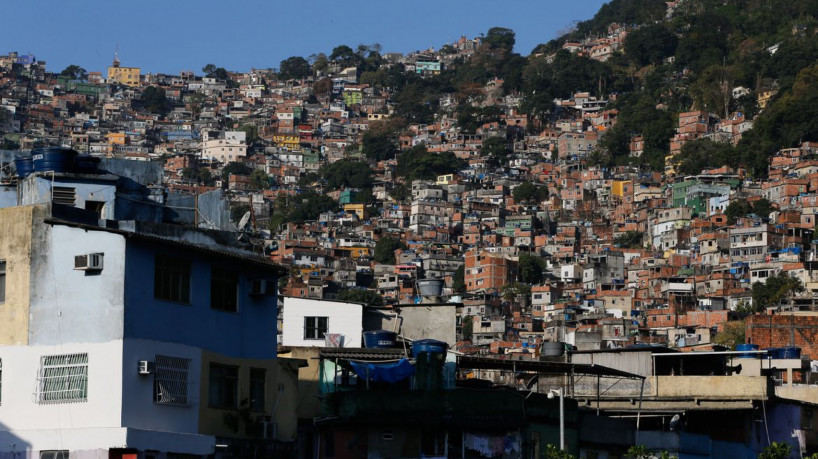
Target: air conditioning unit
(262,287)
(145,367)
(89,262)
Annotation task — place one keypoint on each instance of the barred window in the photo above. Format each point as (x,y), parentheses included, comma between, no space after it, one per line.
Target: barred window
(172,384)
(63,378)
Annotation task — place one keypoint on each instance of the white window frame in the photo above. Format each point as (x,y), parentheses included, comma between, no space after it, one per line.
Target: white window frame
(315,327)
(62,379)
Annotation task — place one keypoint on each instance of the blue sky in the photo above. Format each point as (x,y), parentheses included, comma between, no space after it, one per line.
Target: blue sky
(176,35)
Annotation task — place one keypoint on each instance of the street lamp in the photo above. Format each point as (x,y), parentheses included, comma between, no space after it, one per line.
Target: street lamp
(559,393)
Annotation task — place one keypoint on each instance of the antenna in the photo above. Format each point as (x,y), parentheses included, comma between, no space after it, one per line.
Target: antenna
(116,56)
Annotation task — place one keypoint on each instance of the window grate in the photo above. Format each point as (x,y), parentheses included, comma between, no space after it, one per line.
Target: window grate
(172,384)
(63,195)
(63,378)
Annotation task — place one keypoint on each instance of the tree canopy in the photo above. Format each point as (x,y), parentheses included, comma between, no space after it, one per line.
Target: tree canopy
(347,173)
(75,72)
(294,67)
(155,100)
(774,290)
(418,163)
(528,193)
(385,249)
(356,295)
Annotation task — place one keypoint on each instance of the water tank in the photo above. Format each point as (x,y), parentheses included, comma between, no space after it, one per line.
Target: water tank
(56,159)
(430,287)
(553,348)
(748,347)
(429,346)
(24,166)
(86,164)
(784,352)
(380,339)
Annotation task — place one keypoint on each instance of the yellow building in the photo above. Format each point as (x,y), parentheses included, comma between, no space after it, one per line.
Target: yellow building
(444,179)
(288,141)
(620,187)
(355,252)
(129,76)
(358,209)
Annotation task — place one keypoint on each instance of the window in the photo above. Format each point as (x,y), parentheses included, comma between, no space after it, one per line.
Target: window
(63,378)
(171,384)
(61,454)
(2,281)
(315,327)
(257,376)
(171,279)
(224,290)
(224,386)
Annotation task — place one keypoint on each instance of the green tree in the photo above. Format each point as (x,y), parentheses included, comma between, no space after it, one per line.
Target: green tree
(650,44)
(345,56)
(356,295)
(496,148)
(251,132)
(236,168)
(155,100)
(529,193)
(731,335)
(219,73)
(763,207)
(420,164)
(737,208)
(531,268)
(75,72)
(499,37)
(703,154)
(629,239)
(400,192)
(294,68)
(774,290)
(201,175)
(347,173)
(552,452)
(385,250)
(467,328)
(379,142)
(259,180)
(459,280)
(776,450)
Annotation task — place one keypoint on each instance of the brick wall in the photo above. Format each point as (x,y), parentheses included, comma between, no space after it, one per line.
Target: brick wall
(779,330)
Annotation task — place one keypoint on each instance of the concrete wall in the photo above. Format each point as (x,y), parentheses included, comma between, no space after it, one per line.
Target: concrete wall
(138,409)
(15,249)
(249,333)
(429,322)
(729,387)
(92,424)
(63,299)
(37,190)
(344,318)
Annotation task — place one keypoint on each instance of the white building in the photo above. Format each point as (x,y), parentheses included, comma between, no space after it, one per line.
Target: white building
(307,322)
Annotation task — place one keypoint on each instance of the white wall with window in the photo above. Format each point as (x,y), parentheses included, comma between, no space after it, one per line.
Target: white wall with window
(306,321)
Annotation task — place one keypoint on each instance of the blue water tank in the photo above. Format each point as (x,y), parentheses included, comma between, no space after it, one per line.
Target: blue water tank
(747,347)
(784,352)
(56,159)
(430,346)
(24,166)
(380,339)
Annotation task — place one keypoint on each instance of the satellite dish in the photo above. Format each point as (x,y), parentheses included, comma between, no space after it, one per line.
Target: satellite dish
(244,219)
(674,421)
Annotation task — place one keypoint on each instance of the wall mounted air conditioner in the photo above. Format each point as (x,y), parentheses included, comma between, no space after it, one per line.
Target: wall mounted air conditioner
(88,262)
(145,367)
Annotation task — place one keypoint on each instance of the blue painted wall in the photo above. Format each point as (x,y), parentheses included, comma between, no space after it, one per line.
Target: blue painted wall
(250,333)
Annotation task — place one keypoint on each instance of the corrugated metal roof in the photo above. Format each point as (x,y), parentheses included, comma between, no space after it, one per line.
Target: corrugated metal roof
(537,366)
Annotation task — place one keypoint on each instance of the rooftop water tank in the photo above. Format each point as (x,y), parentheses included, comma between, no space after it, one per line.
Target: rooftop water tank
(429,346)
(86,164)
(24,166)
(53,159)
(430,287)
(380,339)
(553,349)
(784,352)
(747,347)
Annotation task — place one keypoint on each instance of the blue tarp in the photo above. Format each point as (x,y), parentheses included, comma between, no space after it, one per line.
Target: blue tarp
(384,372)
